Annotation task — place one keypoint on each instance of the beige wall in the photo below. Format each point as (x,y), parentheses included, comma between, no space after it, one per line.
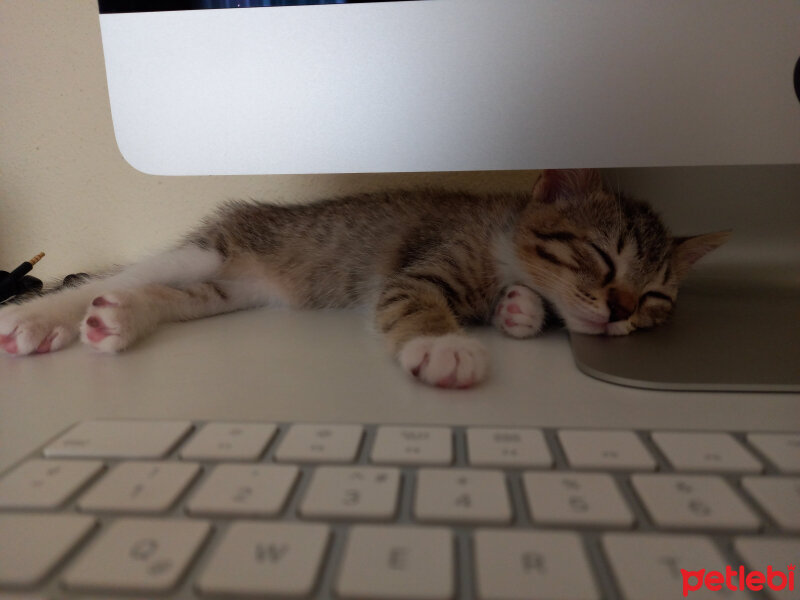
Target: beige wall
(64,187)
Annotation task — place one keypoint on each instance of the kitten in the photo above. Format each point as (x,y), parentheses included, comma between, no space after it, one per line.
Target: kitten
(427,262)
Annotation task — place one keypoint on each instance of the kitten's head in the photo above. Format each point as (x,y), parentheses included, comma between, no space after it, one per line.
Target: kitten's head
(605,262)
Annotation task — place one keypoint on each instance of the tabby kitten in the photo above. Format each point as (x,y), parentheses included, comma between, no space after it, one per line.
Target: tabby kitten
(428,263)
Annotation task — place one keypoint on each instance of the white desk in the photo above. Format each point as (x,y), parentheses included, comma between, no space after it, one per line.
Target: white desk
(281,365)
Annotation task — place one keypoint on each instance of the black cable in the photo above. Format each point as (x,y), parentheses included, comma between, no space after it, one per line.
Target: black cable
(18,282)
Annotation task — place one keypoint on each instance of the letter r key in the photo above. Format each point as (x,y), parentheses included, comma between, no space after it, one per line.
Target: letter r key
(532,565)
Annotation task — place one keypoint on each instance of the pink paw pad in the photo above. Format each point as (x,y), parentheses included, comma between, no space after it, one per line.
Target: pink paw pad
(46,343)
(9,343)
(97,329)
(466,384)
(451,382)
(447,382)
(418,369)
(513,309)
(101,301)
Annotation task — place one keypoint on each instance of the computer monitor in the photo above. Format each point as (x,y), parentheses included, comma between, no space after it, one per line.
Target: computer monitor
(448,85)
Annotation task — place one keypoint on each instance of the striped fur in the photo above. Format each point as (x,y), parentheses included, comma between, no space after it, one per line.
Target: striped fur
(431,261)
(423,258)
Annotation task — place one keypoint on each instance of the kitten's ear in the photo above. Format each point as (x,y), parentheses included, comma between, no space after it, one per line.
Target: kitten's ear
(688,250)
(565,183)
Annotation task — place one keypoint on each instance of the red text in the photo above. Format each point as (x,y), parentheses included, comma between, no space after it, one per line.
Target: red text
(738,579)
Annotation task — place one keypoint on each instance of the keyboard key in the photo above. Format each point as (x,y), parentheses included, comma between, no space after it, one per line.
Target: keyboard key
(507,448)
(783,449)
(779,553)
(528,565)
(462,496)
(576,499)
(140,487)
(274,559)
(138,555)
(693,502)
(32,545)
(648,566)
(349,492)
(586,449)
(779,497)
(397,562)
(320,443)
(120,439)
(413,446)
(244,490)
(689,451)
(42,483)
(229,441)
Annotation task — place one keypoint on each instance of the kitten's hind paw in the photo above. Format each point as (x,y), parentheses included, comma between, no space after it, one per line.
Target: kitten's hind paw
(36,327)
(448,361)
(114,321)
(520,312)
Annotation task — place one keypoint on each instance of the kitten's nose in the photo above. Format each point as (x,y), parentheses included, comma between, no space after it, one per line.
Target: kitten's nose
(621,304)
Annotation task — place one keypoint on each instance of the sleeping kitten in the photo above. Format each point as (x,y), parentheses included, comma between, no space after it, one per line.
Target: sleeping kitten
(427,262)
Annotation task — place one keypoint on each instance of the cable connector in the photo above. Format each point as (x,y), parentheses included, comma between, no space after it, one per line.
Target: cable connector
(17,282)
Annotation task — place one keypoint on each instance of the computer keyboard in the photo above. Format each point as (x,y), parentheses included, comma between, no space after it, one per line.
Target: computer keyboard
(181,509)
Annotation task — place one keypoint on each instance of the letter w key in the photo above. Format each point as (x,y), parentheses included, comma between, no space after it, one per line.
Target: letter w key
(270,552)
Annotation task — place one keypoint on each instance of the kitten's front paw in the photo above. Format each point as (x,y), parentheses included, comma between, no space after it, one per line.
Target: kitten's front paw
(620,328)
(115,320)
(448,361)
(38,326)
(520,312)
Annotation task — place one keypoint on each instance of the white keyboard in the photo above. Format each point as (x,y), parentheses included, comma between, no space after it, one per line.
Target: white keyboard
(179,509)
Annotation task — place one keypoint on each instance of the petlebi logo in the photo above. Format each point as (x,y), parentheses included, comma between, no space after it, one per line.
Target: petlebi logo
(738,580)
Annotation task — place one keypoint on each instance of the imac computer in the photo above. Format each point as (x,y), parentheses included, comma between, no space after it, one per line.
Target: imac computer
(276,453)
(213,87)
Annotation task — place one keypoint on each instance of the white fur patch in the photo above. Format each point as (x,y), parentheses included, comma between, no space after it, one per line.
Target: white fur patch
(177,267)
(624,260)
(509,270)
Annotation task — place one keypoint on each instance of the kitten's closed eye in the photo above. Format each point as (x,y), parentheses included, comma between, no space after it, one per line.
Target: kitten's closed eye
(655,295)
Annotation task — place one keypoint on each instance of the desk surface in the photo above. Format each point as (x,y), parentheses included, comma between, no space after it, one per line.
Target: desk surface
(282,365)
